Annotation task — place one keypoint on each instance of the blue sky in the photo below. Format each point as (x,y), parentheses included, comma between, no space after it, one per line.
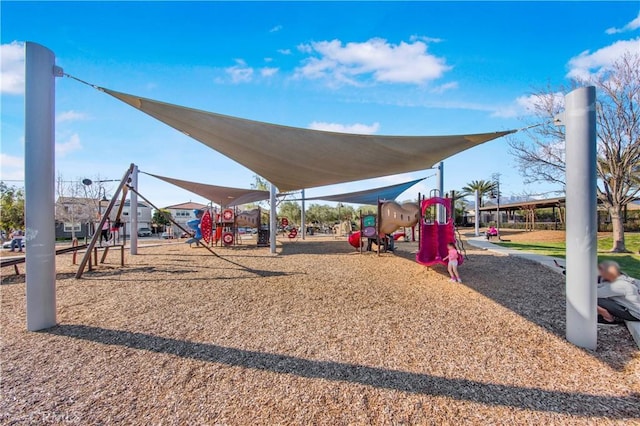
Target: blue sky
(387,68)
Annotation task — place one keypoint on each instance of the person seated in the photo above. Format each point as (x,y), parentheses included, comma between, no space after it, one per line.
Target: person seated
(491,232)
(618,295)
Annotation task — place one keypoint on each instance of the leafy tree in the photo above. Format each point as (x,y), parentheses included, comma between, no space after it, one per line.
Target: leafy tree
(259,183)
(262,184)
(484,188)
(540,155)
(11,207)
(160,217)
(291,210)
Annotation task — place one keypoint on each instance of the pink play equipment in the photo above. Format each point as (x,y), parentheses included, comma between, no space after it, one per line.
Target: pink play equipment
(435,236)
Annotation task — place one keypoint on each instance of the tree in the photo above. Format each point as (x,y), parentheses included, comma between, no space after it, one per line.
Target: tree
(320,213)
(11,207)
(291,211)
(541,158)
(484,187)
(259,183)
(160,217)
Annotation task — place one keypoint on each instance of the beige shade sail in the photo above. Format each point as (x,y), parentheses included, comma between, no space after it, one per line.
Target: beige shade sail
(294,158)
(221,195)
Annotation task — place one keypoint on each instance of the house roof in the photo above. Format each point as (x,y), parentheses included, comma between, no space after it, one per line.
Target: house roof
(544,203)
(295,158)
(189,205)
(539,204)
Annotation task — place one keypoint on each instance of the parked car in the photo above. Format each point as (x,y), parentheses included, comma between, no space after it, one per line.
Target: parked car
(167,236)
(144,232)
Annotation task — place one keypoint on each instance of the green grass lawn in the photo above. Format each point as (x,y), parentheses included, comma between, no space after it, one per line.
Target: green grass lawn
(629,262)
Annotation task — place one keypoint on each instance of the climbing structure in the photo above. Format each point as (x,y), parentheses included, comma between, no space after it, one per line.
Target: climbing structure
(434,235)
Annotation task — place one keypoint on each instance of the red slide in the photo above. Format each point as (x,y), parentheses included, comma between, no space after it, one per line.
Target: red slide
(354,239)
(434,237)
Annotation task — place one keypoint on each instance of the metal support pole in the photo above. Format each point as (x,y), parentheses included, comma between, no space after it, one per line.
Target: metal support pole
(273,222)
(303,222)
(39,125)
(440,179)
(477,213)
(498,212)
(133,212)
(581,155)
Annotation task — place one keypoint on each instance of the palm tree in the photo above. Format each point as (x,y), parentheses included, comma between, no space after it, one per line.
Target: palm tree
(484,187)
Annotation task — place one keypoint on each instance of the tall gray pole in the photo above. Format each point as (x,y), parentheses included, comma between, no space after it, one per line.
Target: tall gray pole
(440,178)
(133,212)
(39,164)
(477,213)
(303,222)
(580,128)
(273,220)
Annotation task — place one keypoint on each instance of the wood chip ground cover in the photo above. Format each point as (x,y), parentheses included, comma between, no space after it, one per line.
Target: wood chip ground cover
(315,335)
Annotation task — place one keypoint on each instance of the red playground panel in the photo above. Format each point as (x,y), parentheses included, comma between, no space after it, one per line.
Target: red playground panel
(354,239)
(205,226)
(435,236)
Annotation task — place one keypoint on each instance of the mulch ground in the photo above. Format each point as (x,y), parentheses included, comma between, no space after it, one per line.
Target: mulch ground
(315,335)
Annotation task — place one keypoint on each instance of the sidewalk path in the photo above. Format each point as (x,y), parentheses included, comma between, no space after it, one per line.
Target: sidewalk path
(548,261)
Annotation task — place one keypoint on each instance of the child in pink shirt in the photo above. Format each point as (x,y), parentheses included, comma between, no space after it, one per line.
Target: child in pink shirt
(452,267)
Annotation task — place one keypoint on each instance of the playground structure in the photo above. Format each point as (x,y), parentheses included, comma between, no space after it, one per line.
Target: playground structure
(224,229)
(435,235)
(433,215)
(392,216)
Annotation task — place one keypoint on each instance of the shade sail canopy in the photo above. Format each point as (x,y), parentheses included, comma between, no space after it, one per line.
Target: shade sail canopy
(370,196)
(221,195)
(295,158)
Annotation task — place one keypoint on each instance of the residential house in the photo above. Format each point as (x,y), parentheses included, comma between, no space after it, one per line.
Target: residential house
(144,215)
(73,217)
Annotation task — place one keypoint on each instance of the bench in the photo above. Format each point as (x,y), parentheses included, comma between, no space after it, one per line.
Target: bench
(18,260)
(13,262)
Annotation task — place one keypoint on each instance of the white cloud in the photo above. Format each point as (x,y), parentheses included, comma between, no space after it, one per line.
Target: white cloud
(588,65)
(276,29)
(304,48)
(12,68)
(268,72)
(284,51)
(12,167)
(240,72)
(358,128)
(445,87)
(267,60)
(528,105)
(633,25)
(69,145)
(425,39)
(376,59)
(71,115)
